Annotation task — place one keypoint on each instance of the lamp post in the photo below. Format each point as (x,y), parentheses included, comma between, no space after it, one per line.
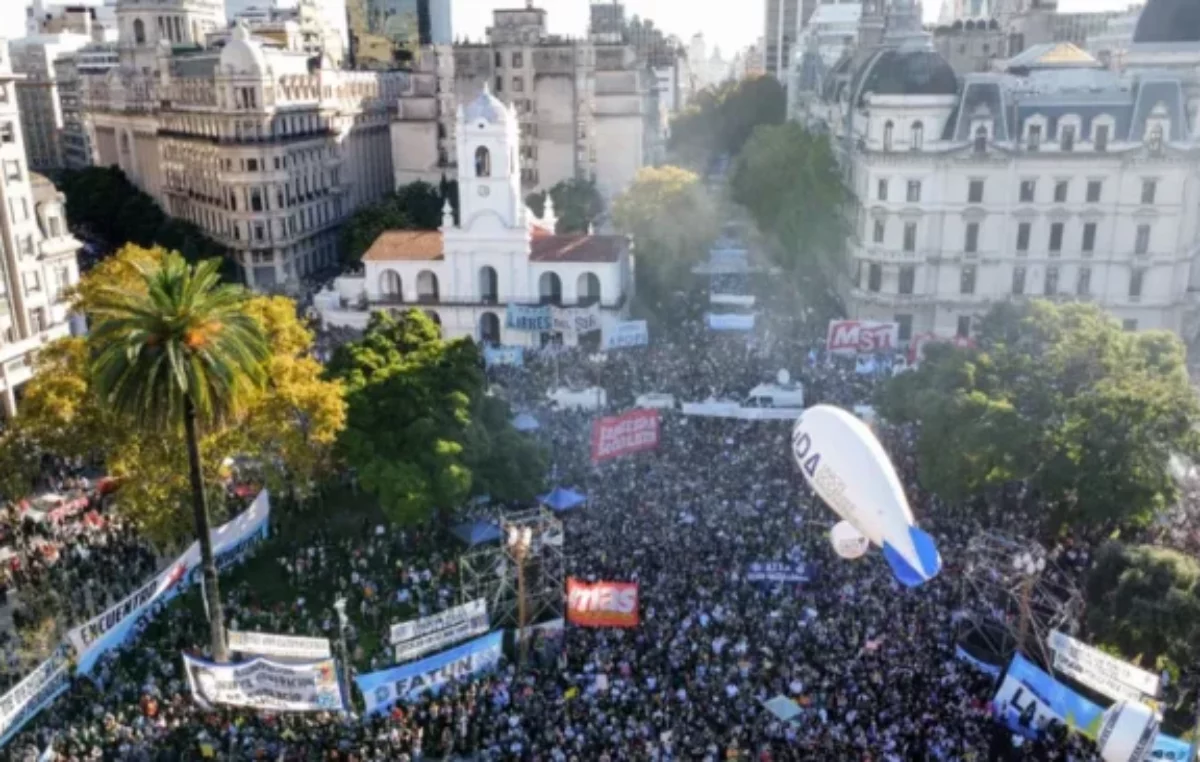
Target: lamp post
(1030,566)
(339,606)
(520,539)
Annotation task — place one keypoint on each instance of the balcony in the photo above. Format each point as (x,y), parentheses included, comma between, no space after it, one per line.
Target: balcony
(487,301)
(890,299)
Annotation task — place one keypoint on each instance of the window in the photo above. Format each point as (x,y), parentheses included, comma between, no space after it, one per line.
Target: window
(256,202)
(62,279)
(964,327)
(1050,288)
(32,281)
(499,83)
(1142,244)
(966,280)
(55,227)
(139,32)
(251,165)
(981,137)
(7,133)
(1100,139)
(874,277)
(975,192)
(1066,140)
(1056,236)
(37,320)
(518,60)
(1034,139)
(1135,283)
(1023,231)
(483,162)
(910,236)
(914,191)
(880,227)
(918,136)
(904,325)
(1060,191)
(1094,189)
(908,277)
(1028,191)
(1129,324)
(1018,281)
(1083,282)
(499,59)
(888,129)
(1089,237)
(882,189)
(518,84)
(971,239)
(1149,191)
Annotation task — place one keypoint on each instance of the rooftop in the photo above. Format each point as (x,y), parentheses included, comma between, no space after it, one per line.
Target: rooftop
(406,246)
(577,247)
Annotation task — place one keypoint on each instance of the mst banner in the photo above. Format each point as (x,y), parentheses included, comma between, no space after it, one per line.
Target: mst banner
(420,636)
(268,685)
(382,689)
(615,436)
(602,604)
(32,695)
(848,337)
(285,646)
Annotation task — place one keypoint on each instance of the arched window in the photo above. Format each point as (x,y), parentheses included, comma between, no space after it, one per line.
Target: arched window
(489,328)
(427,287)
(550,289)
(389,286)
(981,139)
(888,129)
(483,162)
(918,136)
(488,285)
(139,32)
(587,289)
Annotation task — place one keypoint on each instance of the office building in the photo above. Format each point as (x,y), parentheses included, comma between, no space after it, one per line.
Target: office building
(390,34)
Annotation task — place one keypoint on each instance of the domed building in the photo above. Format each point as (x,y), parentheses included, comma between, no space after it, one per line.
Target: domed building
(1050,176)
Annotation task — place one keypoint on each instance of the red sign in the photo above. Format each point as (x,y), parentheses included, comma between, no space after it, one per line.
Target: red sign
(634,431)
(863,337)
(603,604)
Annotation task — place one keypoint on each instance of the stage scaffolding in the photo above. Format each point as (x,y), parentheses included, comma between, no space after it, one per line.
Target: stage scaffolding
(490,571)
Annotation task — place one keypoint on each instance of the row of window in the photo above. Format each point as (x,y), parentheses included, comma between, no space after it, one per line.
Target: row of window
(1033,137)
(518,59)
(1087,244)
(518,84)
(969,274)
(1027,193)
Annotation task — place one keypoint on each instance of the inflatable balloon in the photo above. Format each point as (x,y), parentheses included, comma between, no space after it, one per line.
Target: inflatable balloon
(844,463)
(1127,732)
(847,541)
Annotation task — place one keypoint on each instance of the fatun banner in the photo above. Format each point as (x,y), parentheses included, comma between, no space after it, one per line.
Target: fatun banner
(268,685)
(632,432)
(382,689)
(602,604)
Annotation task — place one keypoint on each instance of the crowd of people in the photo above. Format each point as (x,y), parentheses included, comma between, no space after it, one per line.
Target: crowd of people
(872,664)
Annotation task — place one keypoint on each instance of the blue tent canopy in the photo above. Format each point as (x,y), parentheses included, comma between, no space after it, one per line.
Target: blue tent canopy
(561,500)
(525,422)
(478,532)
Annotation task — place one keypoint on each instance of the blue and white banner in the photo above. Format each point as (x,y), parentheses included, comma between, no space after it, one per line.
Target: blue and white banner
(32,695)
(504,355)
(735,300)
(631,333)
(778,571)
(268,685)
(979,664)
(382,689)
(730,322)
(535,319)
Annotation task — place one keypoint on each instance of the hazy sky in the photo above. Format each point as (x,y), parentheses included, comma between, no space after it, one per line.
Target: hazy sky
(732,24)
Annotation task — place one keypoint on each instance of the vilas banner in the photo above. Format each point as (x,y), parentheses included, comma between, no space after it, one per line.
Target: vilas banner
(602,604)
(863,337)
(620,435)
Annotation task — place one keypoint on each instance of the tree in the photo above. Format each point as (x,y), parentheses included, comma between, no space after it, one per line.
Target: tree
(1058,397)
(577,204)
(416,206)
(183,351)
(720,119)
(421,431)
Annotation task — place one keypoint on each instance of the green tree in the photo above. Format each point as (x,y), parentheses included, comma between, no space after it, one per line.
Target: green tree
(577,204)
(1058,397)
(720,119)
(182,352)
(421,430)
(416,206)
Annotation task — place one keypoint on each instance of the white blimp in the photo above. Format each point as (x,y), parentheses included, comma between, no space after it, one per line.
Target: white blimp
(844,463)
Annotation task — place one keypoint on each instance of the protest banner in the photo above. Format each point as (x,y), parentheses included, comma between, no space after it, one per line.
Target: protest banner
(267,685)
(432,633)
(731,300)
(602,604)
(415,628)
(574,321)
(286,646)
(862,337)
(382,689)
(33,694)
(778,571)
(504,355)
(1097,670)
(730,322)
(631,333)
(532,318)
(631,432)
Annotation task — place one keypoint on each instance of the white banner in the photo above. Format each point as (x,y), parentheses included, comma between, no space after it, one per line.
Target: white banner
(1097,670)
(287,646)
(735,410)
(268,685)
(436,641)
(32,695)
(631,333)
(735,300)
(440,621)
(730,322)
(576,320)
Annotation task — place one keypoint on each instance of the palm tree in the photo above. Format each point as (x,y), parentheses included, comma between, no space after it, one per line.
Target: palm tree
(181,349)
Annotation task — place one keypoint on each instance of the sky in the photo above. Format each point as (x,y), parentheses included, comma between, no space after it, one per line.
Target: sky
(732,24)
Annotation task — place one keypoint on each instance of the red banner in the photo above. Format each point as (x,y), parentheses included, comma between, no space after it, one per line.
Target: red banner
(603,604)
(863,337)
(634,431)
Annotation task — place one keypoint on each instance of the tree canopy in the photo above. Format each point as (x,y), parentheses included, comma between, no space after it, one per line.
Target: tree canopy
(421,430)
(577,204)
(1059,397)
(720,119)
(416,206)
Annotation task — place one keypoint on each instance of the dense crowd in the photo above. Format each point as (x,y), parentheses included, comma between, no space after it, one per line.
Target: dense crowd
(872,664)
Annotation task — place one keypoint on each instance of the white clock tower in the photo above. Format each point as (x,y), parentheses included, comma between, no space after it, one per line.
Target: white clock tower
(489,169)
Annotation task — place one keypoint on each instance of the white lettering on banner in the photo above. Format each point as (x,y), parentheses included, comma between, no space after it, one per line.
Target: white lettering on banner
(32,695)
(1099,671)
(603,598)
(631,333)
(86,634)
(264,684)
(436,641)
(862,337)
(440,621)
(630,434)
(289,646)
(384,688)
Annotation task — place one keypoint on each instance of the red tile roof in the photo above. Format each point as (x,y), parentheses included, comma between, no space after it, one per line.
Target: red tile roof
(406,246)
(577,247)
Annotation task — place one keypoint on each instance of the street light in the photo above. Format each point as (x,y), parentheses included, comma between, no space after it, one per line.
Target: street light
(1030,566)
(339,606)
(520,539)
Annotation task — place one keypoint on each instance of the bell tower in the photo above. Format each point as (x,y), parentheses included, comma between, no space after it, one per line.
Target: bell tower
(489,168)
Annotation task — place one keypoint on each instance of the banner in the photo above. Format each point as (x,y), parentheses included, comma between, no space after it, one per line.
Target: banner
(535,319)
(979,664)
(916,346)
(736,300)
(631,333)
(778,571)
(504,355)
(573,321)
(1097,670)
(286,646)
(433,633)
(631,432)
(1028,697)
(730,322)
(603,604)
(32,695)
(382,689)
(267,685)
(862,337)
(718,409)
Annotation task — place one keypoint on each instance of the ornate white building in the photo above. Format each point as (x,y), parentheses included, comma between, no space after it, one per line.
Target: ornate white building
(466,274)
(1053,177)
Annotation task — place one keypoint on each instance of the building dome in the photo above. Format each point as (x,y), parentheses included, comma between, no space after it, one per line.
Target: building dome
(486,107)
(1169,21)
(241,55)
(894,71)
